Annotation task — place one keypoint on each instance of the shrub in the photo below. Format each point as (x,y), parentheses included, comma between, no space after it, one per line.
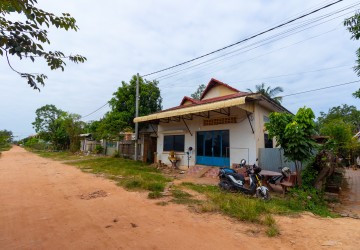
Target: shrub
(98,149)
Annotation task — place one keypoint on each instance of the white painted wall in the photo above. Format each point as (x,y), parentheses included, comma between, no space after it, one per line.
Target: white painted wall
(242,140)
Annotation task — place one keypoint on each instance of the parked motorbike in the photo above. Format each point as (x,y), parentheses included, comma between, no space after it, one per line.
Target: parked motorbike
(230,180)
(285,172)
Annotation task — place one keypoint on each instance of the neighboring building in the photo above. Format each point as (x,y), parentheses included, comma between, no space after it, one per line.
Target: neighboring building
(223,127)
(87,144)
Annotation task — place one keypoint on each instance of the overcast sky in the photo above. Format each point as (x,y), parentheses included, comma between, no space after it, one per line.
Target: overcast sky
(122,38)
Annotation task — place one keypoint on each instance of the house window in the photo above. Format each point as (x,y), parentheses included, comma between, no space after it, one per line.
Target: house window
(174,143)
(266,119)
(268,141)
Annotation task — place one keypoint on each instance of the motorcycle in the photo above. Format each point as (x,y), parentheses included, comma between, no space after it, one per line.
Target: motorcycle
(276,180)
(230,180)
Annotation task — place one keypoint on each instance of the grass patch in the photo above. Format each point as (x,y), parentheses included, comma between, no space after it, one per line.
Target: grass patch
(272,231)
(182,197)
(133,175)
(60,155)
(155,195)
(249,209)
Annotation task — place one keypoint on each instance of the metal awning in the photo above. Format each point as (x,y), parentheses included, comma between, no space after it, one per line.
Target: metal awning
(239,102)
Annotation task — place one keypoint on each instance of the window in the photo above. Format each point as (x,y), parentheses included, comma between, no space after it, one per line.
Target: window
(174,143)
(268,141)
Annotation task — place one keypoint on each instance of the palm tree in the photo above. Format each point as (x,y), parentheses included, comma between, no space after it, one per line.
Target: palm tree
(268,91)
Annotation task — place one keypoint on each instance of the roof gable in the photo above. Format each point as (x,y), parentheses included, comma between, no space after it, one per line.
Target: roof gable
(216,88)
(188,101)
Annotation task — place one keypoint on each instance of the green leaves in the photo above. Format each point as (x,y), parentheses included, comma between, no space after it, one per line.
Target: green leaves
(24,39)
(293,133)
(353,26)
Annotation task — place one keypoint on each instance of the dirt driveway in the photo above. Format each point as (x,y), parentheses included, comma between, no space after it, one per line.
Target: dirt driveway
(49,205)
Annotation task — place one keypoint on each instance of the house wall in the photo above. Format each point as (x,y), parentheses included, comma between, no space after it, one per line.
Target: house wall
(242,139)
(218,91)
(259,124)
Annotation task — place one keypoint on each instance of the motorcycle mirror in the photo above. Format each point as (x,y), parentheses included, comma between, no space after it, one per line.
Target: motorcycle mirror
(243,162)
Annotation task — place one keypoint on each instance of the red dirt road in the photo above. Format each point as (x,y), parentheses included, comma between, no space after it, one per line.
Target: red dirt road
(46,205)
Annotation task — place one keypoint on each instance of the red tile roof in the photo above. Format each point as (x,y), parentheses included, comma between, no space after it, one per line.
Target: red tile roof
(186,98)
(213,82)
(215,99)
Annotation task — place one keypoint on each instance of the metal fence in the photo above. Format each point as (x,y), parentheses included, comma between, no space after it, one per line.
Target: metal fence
(273,158)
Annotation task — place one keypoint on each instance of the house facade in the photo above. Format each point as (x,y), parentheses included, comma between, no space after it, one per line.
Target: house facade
(223,127)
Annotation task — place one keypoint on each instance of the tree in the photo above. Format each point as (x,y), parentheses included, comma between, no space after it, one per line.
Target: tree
(26,39)
(6,137)
(74,127)
(356,94)
(49,124)
(197,94)
(123,105)
(353,26)
(348,114)
(340,135)
(268,91)
(293,135)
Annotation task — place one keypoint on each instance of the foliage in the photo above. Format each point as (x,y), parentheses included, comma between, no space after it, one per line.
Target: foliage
(60,128)
(6,137)
(268,91)
(293,134)
(353,26)
(99,149)
(197,94)
(310,199)
(122,105)
(348,114)
(73,127)
(26,39)
(49,124)
(356,94)
(35,143)
(310,173)
(340,136)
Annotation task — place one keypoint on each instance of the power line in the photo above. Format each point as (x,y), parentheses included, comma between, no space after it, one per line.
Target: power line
(263,42)
(244,40)
(313,90)
(253,58)
(95,110)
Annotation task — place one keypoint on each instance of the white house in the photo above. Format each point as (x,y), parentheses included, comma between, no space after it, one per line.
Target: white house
(223,127)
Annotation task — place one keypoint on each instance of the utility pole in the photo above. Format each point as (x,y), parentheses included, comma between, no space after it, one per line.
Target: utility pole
(136,115)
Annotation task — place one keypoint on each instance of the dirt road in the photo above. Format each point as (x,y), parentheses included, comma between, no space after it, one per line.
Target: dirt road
(49,205)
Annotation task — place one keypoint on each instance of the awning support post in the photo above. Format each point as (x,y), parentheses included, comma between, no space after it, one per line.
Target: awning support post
(247,114)
(187,126)
(154,130)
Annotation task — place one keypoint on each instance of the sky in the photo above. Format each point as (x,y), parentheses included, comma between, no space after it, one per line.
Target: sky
(122,38)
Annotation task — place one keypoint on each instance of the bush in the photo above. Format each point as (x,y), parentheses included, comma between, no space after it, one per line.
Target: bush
(99,149)
(37,144)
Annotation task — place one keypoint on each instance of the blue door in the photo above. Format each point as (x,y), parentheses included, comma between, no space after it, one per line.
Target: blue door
(213,148)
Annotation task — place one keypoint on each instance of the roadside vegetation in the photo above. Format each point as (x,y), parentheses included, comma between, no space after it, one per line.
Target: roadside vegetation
(5,140)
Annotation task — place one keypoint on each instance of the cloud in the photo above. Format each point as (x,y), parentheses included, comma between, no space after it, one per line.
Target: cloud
(122,38)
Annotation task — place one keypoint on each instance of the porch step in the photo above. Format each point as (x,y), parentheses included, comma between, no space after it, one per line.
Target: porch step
(202,171)
(213,172)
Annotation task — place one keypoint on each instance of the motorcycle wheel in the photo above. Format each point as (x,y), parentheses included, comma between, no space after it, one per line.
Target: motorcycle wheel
(264,195)
(225,185)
